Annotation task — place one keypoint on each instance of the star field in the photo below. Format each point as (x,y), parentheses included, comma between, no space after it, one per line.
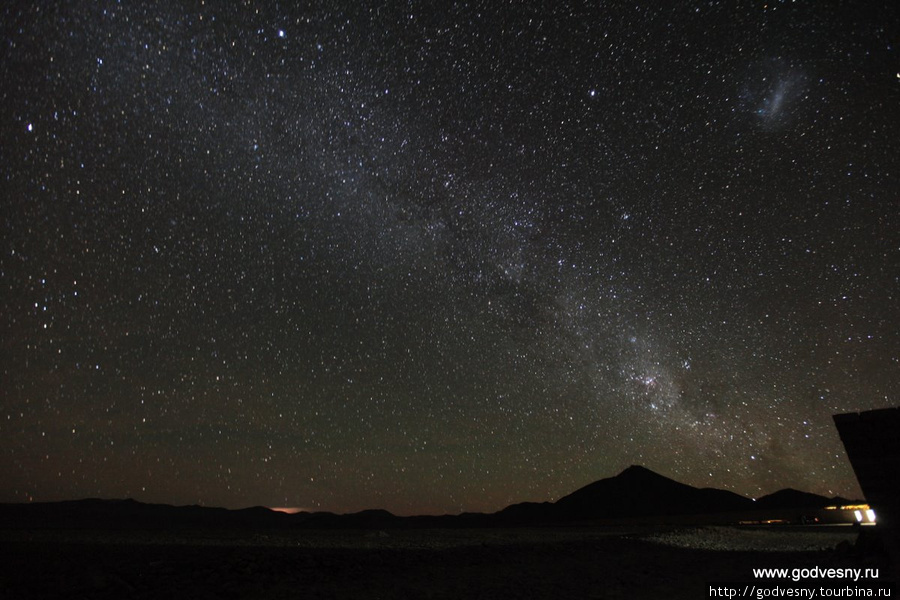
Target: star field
(442,259)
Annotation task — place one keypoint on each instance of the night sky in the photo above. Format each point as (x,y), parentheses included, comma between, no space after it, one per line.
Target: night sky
(442,257)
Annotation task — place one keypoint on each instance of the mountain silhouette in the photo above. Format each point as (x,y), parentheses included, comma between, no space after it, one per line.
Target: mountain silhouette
(635,492)
(791,498)
(638,491)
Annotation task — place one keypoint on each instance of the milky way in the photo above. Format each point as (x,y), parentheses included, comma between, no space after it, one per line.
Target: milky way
(442,259)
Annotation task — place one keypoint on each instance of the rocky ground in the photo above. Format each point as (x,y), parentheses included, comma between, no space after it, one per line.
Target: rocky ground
(757,539)
(492,563)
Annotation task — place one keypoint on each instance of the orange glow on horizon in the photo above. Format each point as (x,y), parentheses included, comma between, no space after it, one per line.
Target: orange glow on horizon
(291,510)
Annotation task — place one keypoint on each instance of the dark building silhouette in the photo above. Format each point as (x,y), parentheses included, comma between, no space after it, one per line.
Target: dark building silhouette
(872,441)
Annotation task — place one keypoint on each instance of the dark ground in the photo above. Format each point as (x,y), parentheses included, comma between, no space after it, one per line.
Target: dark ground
(490,563)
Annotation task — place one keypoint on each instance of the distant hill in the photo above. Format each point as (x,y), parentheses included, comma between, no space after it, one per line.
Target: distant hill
(635,492)
(791,498)
(638,491)
(131,514)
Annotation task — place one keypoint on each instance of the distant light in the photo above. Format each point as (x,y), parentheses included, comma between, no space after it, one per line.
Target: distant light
(281,33)
(863,513)
(30,127)
(291,510)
